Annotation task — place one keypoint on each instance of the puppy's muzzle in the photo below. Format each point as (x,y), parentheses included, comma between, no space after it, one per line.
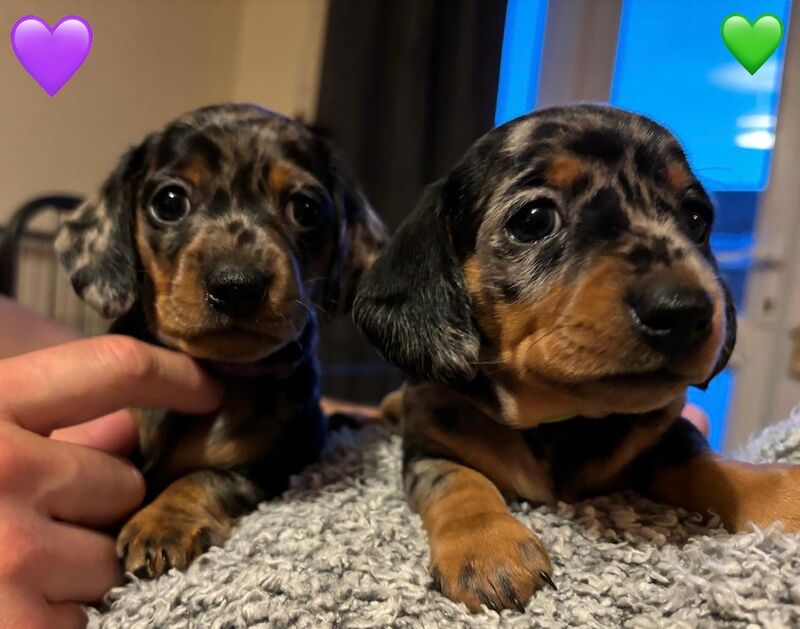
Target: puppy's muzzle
(235,291)
(671,316)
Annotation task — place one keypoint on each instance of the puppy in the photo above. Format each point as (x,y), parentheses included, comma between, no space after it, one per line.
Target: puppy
(552,299)
(217,236)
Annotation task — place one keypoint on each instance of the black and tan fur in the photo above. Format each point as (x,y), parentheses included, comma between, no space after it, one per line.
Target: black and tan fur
(532,371)
(273,229)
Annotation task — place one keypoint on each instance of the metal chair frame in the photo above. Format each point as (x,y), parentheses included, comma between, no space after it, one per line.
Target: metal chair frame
(16,229)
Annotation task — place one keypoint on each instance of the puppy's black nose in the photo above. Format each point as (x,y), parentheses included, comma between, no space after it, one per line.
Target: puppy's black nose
(671,317)
(235,292)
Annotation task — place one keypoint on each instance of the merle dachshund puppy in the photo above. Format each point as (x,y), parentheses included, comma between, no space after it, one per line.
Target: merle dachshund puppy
(218,236)
(552,299)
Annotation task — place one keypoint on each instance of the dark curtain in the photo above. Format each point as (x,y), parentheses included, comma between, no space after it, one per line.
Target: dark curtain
(406,87)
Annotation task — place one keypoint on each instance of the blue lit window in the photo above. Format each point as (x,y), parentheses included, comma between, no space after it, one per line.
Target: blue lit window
(673,67)
(523,37)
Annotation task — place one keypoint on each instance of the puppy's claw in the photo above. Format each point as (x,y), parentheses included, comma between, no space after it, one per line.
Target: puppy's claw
(547,579)
(516,604)
(141,572)
(165,561)
(154,541)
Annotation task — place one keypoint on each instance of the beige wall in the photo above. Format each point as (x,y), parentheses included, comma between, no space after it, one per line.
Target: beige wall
(151,60)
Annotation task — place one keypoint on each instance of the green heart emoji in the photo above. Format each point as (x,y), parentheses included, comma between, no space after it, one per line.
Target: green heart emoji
(752,44)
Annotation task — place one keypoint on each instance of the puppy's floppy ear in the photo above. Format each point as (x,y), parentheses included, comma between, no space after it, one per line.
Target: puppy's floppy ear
(362,236)
(95,244)
(413,305)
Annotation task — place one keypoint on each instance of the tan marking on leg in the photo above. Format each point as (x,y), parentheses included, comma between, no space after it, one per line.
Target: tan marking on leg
(181,523)
(495,450)
(392,407)
(740,493)
(480,554)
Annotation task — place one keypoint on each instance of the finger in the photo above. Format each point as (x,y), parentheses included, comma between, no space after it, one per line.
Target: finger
(331,406)
(86,486)
(116,433)
(73,383)
(67,481)
(28,608)
(698,417)
(68,616)
(81,565)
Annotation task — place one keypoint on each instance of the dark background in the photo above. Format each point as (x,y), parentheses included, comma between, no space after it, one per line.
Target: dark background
(406,87)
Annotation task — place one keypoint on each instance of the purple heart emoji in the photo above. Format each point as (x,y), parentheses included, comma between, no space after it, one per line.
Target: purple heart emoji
(51,55)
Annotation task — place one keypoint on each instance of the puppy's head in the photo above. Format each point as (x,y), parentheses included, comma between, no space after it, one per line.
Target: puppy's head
(229,226)
(567,252)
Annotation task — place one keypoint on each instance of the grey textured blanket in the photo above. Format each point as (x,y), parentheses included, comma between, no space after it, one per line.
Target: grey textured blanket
(341,549)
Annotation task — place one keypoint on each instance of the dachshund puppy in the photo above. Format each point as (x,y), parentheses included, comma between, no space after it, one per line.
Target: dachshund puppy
(552,299)
(217,236)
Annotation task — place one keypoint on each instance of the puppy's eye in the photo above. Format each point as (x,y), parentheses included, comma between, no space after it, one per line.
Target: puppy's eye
(534,221)
(170,204)
(698,221)
(306,212)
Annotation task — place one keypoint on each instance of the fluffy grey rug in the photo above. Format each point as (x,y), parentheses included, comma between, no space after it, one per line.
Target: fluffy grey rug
(341,549)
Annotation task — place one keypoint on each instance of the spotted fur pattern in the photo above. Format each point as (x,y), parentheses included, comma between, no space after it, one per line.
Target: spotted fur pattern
(241,169)
(530,375)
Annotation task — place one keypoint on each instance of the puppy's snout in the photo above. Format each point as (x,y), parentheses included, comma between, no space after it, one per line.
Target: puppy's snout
(235,291)
(672,317)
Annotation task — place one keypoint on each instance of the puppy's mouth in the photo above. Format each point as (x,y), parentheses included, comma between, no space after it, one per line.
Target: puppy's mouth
(662,375)
(228,340)
(655,377)
(235,344)
(281,361)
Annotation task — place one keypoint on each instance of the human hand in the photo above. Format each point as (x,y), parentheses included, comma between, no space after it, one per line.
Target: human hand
(56,497)
(698,417)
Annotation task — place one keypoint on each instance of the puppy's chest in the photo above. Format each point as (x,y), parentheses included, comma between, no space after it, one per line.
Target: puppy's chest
(563,460)
(254,419)
(585,456)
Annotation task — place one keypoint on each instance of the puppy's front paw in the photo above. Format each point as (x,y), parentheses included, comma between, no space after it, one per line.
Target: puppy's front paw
(161,536)
(489,559)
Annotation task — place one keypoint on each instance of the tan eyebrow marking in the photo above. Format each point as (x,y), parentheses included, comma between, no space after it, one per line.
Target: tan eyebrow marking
(195,169)
(677,176)
(280,176)
(563,171)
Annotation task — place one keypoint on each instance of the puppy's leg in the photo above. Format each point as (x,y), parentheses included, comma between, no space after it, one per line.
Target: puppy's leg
(480,554)
(192,514)
(392,407)
(681,471)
